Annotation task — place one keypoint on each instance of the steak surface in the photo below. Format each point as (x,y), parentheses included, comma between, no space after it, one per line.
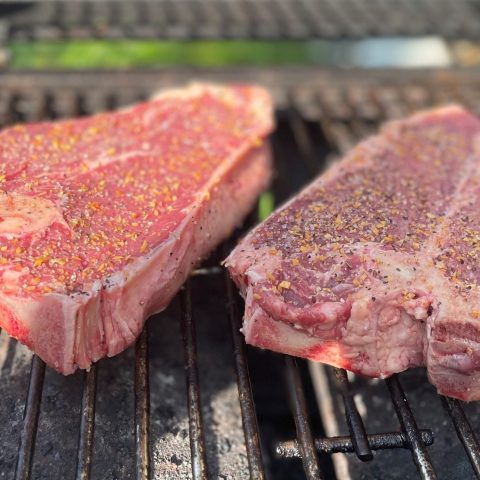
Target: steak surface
(102,218)
(374,267)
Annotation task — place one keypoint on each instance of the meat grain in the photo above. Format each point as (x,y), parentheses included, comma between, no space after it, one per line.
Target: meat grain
(102,218)
(374,267)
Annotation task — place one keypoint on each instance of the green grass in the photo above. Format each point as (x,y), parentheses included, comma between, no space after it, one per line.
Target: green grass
(266,204)
(81,54)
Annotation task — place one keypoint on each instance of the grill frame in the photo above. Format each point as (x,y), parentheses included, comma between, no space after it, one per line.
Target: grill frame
(242,19)
(299,97)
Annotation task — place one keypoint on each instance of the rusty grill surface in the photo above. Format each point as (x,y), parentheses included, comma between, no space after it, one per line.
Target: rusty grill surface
(263,19)
(181,403)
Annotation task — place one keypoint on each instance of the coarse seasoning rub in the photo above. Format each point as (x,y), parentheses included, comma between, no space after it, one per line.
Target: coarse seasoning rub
(374,267)
(102,218)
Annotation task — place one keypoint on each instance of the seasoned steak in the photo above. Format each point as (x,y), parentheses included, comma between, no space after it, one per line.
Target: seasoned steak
(102,218)
(374,266)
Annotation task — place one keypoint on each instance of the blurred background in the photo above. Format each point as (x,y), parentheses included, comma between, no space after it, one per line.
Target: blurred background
(420,33)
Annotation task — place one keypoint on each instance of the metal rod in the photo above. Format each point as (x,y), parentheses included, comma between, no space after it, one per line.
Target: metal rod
(87,424)
(344,444)
(249,417)
(409,427)
(30,420)
(302,139)
(354,420)
(464,431)
(302,423)
(337,134)
(142,406)
(207,271)
(197,436)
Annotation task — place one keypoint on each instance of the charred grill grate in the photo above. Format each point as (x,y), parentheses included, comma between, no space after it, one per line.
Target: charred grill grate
(264,19)
(318,119)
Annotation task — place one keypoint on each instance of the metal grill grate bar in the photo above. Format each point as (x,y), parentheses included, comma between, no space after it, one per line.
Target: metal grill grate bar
(285,19)
(303,142)
(30,420)
(142,406)
(87,424)
(302,423)
(354,420)
(339,135)
(344,444)
(207,271)
(249,417)
(464,431)
(197,435)
(409,426)
(347,118)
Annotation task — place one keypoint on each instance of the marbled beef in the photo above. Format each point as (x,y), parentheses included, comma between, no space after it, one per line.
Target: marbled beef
(102,218)
(375,267)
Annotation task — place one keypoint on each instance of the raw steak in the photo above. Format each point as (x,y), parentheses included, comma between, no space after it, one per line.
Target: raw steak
(374,267)
(102,218)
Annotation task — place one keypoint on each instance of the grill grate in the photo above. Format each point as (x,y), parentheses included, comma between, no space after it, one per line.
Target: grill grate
(464,431)
(409,427)
(240,19)
(87,424)
(252,440)
(318,119)
(305,440)
(355,422)
(142,406)
(197,437)
(30,420)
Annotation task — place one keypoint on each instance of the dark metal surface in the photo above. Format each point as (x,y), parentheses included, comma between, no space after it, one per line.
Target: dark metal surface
(142,406)
(464,431)
(354,420)
(244,19)
(345,444)
(320,114)
(30,420)
(410,429)
(197,435)
(87,424)
(306,444)
(249,418)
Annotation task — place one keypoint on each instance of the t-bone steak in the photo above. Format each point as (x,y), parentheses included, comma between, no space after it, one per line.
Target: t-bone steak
(102,218)
(375,266)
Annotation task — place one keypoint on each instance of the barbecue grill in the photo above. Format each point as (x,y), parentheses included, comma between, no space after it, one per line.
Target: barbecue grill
(191,400)
(265,19)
